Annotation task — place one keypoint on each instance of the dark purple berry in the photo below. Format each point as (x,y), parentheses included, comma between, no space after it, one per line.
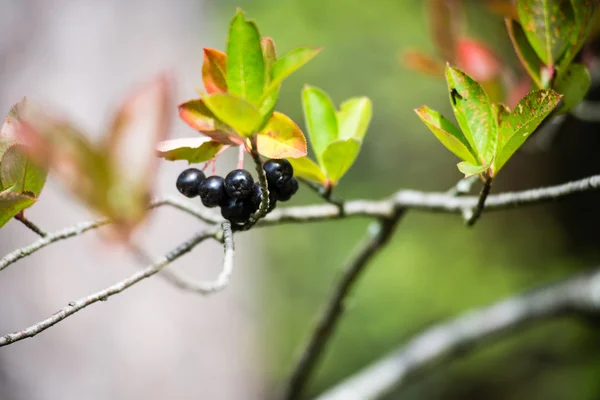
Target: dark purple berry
(256,198)
(239,184)
(284,193)
(189,181)
(238,211)
(278,172)
(212,191)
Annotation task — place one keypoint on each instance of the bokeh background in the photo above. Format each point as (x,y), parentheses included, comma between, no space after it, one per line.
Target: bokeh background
(154,342)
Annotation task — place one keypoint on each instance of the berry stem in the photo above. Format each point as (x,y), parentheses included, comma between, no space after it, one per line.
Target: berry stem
(241,152)
(262,181)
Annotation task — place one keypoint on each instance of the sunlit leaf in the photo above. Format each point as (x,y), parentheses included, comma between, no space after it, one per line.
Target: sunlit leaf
(548,25)
(214,71)
(281,138)
(473,112)
(469,169)
(447,133)
(245,60)
(242,116)
(573,85)
(12,203)
(529,59)
(321,120)
(199,117)
(306,168)
(523,120)
(289,63)
(354,117)
(339,156)
(193,150)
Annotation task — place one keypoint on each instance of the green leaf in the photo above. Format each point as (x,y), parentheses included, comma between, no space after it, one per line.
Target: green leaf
(585,12)
(12,203)
(289,63)
(354,117)
(199,117)
(447,133)
(193,150)
(469,169)
(306,168)
(522,121)
(17,170)
(269,100)
(474,114)
(573,85)
(214,71)
(339,156)
(281,138)
(245,60)
(548,25)
(525,52)
(235,112)
(321,120)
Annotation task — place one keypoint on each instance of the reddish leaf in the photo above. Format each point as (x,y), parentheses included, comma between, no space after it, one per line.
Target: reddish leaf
(503,8)
(200,118)
(281,138)
(445,17)
(477,59)
(419,61)
(214,71)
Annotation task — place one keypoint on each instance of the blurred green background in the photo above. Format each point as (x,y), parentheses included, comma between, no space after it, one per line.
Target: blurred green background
(434,268)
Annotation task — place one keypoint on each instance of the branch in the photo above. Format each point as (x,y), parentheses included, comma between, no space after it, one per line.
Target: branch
(587,110)
(378,234)
(28,223)
(325,193)
(578,295)
(473,216)
(103,295)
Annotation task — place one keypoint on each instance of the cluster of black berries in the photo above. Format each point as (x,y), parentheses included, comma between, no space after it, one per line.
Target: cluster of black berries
(238,195)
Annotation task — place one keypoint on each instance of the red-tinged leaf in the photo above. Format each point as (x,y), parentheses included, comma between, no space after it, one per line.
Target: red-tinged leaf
(268,47)
(289,63)
(529,59)
(233,111)
(12,203)
(214,71)
(306,168)
(269,100)
(18,171)
(448,134)
(445,17)
(142,120)
(199,117)
(193,150)
(548,25)
(419,61)
(281,138)
(245,60)
(503,8)
(477,59)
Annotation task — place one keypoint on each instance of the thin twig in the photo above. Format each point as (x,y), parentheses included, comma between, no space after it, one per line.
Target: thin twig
(578,295)
(28,223)
(377,236)
(325,193)
(483,195)
(104,294)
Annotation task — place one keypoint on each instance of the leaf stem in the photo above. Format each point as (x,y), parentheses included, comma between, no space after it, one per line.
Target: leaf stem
(483,195)
(262,181)
(21,217)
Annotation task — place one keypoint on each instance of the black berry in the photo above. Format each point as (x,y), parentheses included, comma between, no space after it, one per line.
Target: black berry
(284,193)
(212,191)
(237,211)
(256,198)
(239,184)
(189,181)
(278,172)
